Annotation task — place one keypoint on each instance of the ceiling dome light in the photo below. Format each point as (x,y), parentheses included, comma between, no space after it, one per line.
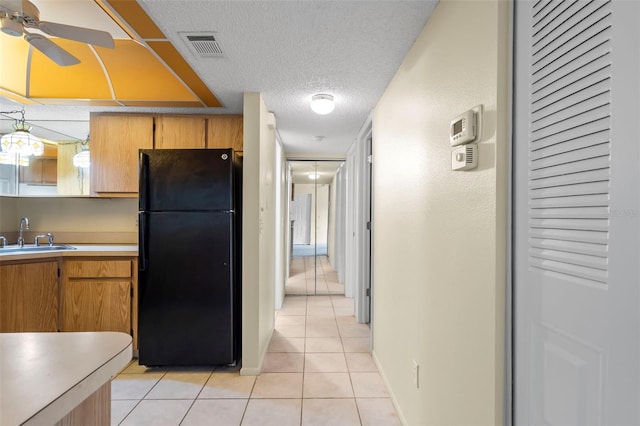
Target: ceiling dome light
(322,104)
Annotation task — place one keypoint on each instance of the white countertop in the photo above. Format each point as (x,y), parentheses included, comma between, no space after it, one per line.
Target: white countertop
(80,250)
(43,376)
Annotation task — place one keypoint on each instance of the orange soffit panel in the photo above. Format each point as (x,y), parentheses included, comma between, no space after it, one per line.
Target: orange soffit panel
(136,74)
(162,104)
(136,18)
(173,59)
(85,80)
(14,55)
(17,98)
(78,102)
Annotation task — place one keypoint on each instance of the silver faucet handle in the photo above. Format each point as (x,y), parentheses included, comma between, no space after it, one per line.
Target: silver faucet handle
(47,235)
(4,240)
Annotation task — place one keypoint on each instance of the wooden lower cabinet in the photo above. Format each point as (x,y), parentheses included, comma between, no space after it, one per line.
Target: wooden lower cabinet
(97,295)
(29,297)
(96,305)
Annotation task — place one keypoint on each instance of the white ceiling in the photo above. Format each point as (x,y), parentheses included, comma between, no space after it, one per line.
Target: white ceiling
(287,50)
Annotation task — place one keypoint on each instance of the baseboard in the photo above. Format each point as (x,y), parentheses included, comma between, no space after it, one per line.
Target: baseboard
(248,371)
(403,420)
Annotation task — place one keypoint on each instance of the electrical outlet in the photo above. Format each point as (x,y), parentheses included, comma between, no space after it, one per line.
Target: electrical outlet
(415,373)
(136,221)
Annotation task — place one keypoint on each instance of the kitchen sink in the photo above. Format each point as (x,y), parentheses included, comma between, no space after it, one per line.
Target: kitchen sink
(31,247)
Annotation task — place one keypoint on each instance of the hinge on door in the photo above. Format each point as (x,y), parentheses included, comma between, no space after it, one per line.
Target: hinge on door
(370,159)
(368,226)
(368,292)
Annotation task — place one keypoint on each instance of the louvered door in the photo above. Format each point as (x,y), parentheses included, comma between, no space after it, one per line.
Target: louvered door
(576,212)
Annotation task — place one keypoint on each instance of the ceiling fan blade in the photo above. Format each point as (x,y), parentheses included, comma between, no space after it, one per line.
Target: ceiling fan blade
(51,50)
(84,35)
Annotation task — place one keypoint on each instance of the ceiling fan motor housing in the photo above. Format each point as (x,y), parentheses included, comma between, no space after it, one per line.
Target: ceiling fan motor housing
(10,27)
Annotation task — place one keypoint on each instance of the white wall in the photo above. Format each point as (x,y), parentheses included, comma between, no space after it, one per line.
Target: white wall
(281,220)
(8,215)
(439,237)
(258,227)
(74,220)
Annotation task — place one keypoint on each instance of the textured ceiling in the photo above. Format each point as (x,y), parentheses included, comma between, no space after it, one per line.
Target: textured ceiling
(288,51)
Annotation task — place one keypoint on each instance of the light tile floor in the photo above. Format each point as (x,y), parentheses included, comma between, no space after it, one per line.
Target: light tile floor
(317,371)
(310,275)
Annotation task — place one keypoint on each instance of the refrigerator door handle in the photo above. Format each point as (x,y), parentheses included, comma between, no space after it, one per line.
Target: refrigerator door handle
(143,242)
(143,169)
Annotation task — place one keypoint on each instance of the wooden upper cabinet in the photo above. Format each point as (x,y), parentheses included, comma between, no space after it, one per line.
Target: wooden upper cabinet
(115,141)
(174,132)
(41,171)
(225,131)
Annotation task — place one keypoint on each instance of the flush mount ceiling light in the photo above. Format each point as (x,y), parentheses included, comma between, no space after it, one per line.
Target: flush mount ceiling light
(322,104)
(313,176)
(21,141)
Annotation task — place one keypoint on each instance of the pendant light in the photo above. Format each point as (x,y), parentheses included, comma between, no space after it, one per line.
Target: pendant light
(82,159)
(21,141)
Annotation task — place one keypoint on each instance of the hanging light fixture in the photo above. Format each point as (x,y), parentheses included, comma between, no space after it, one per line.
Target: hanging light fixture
(83,159)
(21,141)
(322,104)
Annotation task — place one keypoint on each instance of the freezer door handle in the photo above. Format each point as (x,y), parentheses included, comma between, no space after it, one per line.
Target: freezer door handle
(143,169)
(142,241)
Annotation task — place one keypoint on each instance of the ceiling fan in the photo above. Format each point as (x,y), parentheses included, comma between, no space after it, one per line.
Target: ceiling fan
(18,15)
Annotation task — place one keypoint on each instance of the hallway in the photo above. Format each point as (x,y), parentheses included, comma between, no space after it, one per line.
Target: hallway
(302,279)
(318,371)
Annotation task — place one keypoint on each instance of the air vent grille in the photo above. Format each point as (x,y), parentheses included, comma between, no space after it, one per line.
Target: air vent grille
(570,140)
(203,45)
(469,156)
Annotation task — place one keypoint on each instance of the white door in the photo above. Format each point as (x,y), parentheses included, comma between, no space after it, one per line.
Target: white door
(577,213)
(301,214)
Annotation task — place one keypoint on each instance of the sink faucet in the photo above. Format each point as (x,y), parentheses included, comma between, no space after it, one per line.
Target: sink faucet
(4,240)
(24,221)
(49,235)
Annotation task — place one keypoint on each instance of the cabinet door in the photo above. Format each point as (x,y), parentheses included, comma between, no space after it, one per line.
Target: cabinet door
(180,132)
(115,141)
(29,297)
(225,132)
(41,171)
(94,305)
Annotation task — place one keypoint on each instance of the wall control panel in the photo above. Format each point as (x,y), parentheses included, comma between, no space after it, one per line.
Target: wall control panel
(463,128)
(464,157)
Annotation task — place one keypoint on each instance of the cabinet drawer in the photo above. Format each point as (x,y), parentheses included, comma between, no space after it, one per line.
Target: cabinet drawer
(98,268)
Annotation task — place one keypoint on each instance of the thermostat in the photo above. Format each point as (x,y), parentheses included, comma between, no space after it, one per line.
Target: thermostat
(463,128)
(464,157)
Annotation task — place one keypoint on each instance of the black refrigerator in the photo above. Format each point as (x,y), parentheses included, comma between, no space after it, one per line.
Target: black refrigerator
(189,251)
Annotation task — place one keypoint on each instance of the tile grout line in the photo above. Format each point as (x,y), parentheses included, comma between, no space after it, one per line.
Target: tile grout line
(193,401)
